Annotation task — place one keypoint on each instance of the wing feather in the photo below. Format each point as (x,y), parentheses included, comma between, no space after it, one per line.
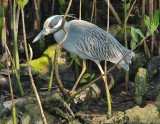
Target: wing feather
(92,43)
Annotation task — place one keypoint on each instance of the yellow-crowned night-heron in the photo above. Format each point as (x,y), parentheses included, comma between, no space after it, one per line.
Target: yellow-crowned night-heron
(86,40)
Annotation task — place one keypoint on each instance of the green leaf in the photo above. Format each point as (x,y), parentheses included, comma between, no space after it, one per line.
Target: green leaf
(1,10)
(153,28)
(139,32)
(148,52)
(1,22)
(83,80)
(22,3)
(75,58)
(70,64)
(86,75)
(148,23)
(2,35)
(133,43)
(134,34)
(156,19)
(148,33)
(127,6)
(92,77)
(77,61)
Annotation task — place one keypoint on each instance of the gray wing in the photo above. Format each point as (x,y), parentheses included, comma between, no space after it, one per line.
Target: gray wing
(92,43)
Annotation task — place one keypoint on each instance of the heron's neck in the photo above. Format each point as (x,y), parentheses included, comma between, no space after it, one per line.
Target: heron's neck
(59,35)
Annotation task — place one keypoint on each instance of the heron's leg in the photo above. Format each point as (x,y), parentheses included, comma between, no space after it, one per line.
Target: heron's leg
(107,90)
(83,70)
(101,70)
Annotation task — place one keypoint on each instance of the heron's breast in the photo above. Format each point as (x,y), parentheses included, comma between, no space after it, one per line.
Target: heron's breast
(69,44)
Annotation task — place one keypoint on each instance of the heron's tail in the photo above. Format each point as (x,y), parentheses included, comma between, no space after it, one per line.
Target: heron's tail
(127,60)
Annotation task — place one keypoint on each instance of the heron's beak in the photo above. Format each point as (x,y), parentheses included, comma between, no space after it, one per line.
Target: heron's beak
(41,34)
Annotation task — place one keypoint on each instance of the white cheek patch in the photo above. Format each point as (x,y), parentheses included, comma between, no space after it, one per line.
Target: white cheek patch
(59,24)
(47,31)
(46,23)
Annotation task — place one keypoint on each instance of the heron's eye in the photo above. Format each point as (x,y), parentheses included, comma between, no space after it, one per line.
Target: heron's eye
(51,26)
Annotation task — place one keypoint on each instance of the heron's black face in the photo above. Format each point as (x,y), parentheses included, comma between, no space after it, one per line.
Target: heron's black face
(51,25)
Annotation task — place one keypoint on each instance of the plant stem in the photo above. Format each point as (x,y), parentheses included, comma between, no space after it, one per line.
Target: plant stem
(105,77)
(53,6)
(127,15)
(159,40)
(95,11)
(51,77)
(143,27)
(92,10)
(3,30)
(15,54)
(126,44)
(37,20)
(114,12)
(151,18)
(14,114)
(29,70)
(9,77)
(56,54)
(80,9)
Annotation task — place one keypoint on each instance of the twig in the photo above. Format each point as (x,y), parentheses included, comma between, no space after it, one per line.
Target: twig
(95,11)
(151,17)
(53,6)
(9,77)
(114,12)
(56,54)
(92,10)
(130,11)
(88,115)
(37,25)
(29,70)
(128,14)
(11,18)
(143,27)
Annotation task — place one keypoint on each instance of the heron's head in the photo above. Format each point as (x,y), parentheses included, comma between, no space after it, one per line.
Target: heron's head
(51,25)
